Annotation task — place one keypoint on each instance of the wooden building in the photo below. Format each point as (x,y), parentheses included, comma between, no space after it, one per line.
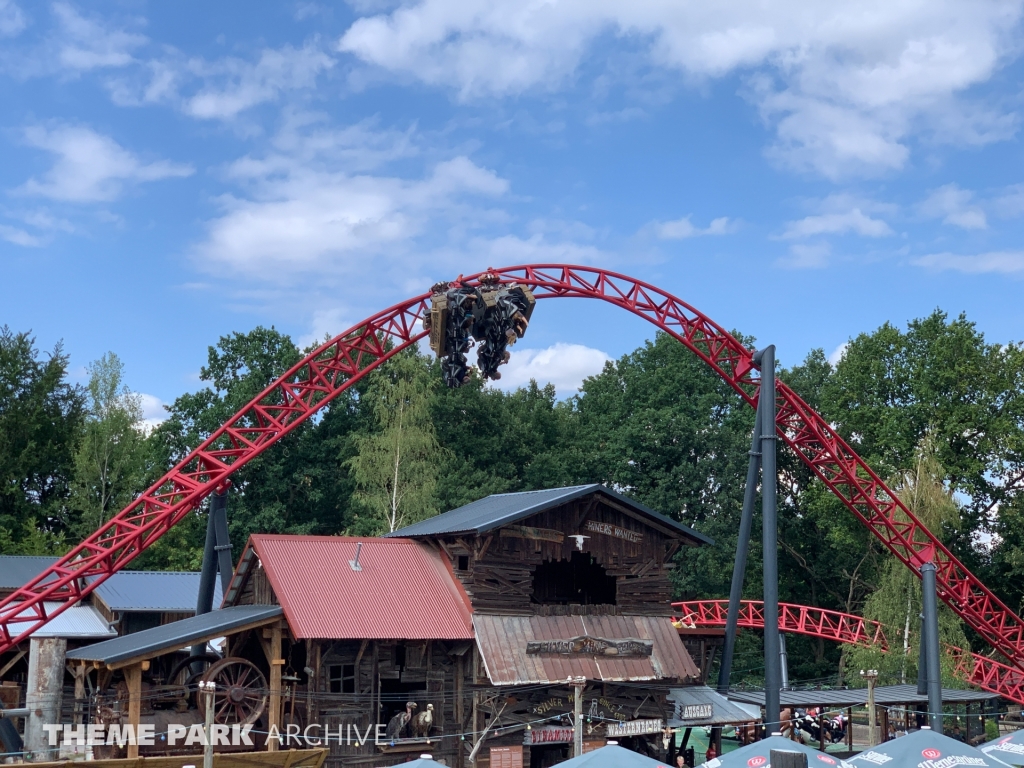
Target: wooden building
(485,617)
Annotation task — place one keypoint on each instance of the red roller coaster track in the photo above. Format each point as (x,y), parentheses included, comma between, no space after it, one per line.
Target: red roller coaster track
(313,382)
(971,667)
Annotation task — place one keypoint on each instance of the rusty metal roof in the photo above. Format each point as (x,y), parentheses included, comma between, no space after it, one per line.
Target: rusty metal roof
(501,509)
(502,641)
(402,590)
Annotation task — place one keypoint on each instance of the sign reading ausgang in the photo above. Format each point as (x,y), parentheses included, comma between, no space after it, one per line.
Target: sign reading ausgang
(696,711)
(635,728)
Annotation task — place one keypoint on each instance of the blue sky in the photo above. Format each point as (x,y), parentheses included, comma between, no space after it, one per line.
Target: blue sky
(800,171)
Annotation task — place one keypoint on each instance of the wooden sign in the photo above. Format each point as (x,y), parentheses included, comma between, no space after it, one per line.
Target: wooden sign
(633,537)
(507,757)
(635,728)
(695,711)
(549,734)
(533,534)
(585,645)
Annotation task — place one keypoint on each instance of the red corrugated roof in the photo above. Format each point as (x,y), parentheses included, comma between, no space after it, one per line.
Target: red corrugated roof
(404,590)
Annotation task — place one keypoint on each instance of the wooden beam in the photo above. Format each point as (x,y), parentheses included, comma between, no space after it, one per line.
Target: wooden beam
(12,662)
(133,676)
(192,641)
(276,662)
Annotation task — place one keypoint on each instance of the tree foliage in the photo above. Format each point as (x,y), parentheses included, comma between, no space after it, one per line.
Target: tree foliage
(395,466)
(41,416)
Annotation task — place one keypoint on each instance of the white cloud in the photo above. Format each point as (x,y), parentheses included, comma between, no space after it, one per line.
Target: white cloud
(564,365)
(954,206)
(19,236)
(845,85)
(305,217)
(854,220)
(325,323)
(154,410)
(683,228)
(234,85)
(1011,202)
(90,167)
(838,353)
(998,262)
(806,256)
(84,44)
(12,19)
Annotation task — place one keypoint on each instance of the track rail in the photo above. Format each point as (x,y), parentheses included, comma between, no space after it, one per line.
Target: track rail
(332,368)
(978,670)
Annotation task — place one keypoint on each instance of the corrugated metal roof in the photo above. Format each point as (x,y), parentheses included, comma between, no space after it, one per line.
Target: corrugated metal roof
(165,591)
(177,634)
(324,597)
(502,641)
(18,570)
(501,509)
(854,697)
(78,621)
(723,711)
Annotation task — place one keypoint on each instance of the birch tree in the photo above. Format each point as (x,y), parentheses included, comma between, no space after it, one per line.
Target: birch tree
(397,463)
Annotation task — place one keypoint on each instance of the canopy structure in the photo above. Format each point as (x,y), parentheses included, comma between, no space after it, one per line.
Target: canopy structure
(698,705)
(759,754)
(885,696)
(140,646)
(611,756)
(1009,748)
(925,748)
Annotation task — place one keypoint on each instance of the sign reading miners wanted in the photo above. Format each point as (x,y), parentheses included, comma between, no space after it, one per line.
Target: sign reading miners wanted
(634,537)
(586,645)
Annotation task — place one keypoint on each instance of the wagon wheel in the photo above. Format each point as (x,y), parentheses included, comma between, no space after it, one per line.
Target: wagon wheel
(241,692)
(188,661)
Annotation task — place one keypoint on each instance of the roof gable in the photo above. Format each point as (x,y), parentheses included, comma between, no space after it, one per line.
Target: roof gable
(501,509)
(324,596)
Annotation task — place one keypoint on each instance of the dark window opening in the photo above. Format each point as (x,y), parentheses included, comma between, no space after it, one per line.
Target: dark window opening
(342,678)
(394,695)
(400,656)
(463,562)
(578,580)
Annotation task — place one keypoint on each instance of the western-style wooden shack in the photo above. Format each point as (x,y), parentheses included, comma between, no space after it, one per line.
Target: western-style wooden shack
(482,617)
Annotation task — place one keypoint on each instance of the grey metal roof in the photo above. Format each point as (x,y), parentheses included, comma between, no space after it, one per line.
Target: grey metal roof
(500,509)
(77,622)
(885,695)
(177,634)
(166,591)
(18,570)
(722,711)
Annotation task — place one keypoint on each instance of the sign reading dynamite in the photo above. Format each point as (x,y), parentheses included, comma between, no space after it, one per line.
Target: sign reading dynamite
(634,537)
(635,728)
(592,646)
(548,734)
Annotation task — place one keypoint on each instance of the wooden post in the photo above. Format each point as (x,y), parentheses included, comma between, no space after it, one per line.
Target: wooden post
(460,709)
(821,729)
(849,729)
(133,676)
(780,759)
(276,662)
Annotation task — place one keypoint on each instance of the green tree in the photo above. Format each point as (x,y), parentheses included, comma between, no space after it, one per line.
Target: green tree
(41,416)
(110,463)
(897,602)
(298,486)
(395,467)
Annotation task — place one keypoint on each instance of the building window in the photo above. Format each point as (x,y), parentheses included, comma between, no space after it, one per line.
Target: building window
(463,562)
(342,678)
(577,581)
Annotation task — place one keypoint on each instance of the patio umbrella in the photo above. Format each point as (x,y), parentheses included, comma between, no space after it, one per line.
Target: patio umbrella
(1009,748)
(758,754)
(611,756)
(925,749)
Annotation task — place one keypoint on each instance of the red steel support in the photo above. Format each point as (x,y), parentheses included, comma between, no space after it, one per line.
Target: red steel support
(324,374)
(978,670)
